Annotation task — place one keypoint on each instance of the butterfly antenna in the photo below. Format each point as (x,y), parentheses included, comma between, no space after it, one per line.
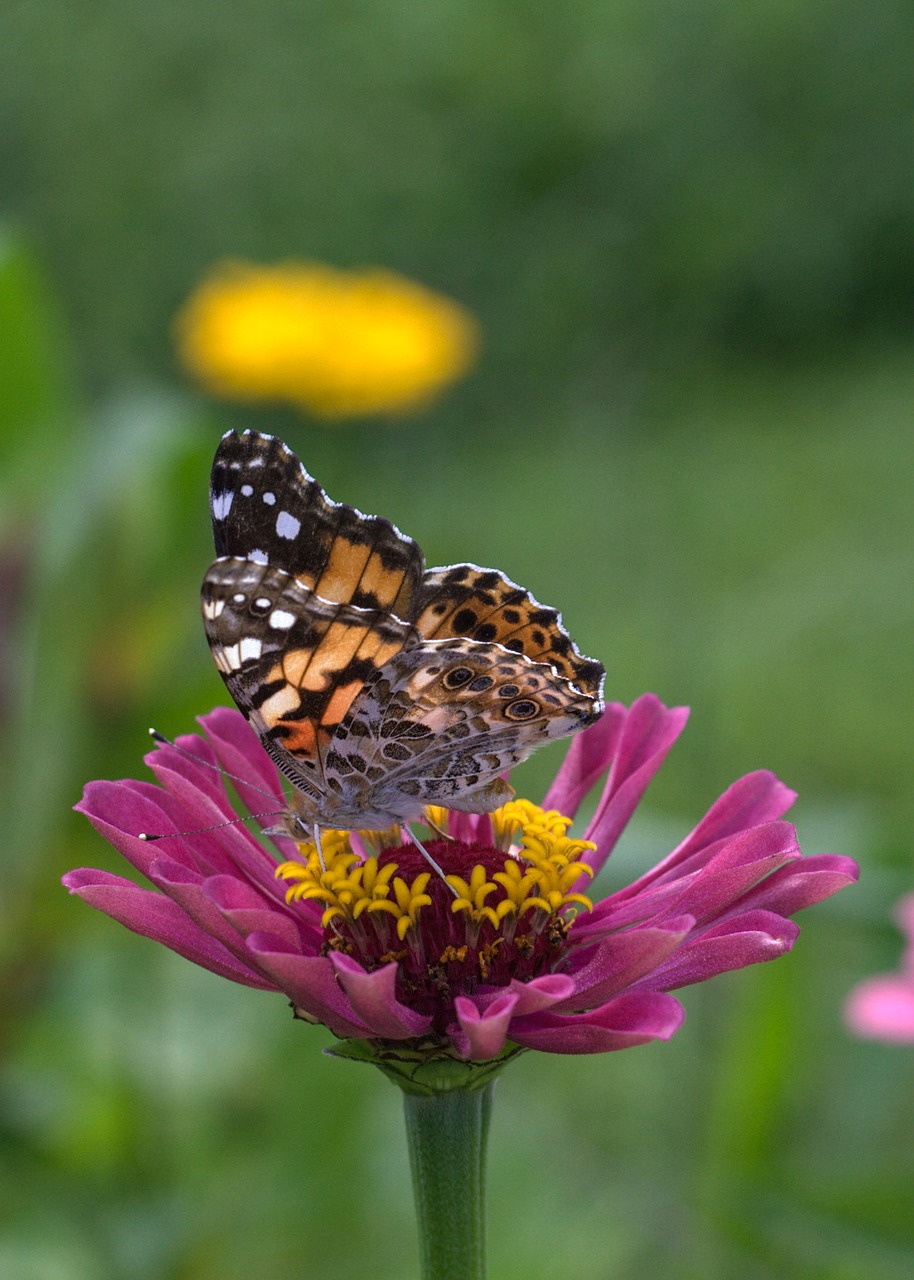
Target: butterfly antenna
(428,857)
(167,742)
(197,831)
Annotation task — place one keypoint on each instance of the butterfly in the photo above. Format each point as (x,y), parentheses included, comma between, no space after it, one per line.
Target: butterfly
(377,686)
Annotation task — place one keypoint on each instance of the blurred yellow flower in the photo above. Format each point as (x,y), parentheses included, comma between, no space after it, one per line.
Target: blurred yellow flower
(336,343)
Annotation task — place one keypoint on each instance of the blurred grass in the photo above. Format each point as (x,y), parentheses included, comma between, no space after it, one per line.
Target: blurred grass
(687,232)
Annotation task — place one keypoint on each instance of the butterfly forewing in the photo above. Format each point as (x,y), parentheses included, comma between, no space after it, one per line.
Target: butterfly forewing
(265,506)
(292,661)
(376,685)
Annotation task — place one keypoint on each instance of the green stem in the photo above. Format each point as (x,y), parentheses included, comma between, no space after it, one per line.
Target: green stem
(447,1135)
(448,1104)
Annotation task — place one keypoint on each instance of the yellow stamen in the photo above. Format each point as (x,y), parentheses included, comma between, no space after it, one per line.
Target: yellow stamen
(472,894)
(410,899)
(337,852)
(520,815)
(537,880)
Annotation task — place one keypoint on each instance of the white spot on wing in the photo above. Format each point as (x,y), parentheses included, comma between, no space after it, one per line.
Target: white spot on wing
(281,619)
(239,597)
(269,498)
(287,526)
(262,602)
(258,556)
(222,503)
(250,647)
(227,659)
(247,490)
(281,703)
(212,608)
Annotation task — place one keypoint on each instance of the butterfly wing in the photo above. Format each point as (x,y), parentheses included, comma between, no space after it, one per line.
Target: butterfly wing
(483,605)
(376,686)
(293,662)
(443,719)
(266,507)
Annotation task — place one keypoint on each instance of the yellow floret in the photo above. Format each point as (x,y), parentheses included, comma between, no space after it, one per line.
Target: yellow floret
(336,343)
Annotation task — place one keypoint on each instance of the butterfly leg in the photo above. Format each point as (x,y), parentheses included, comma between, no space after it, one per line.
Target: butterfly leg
(319,847)
(427,856)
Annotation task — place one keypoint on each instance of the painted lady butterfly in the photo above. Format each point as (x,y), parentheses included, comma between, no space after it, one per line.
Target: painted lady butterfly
(378,686)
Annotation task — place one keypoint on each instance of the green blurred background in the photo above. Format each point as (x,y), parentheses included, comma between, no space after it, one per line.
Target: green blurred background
(687,230)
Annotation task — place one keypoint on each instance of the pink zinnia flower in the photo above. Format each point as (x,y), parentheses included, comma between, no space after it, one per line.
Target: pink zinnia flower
(882,1008)
(510,948)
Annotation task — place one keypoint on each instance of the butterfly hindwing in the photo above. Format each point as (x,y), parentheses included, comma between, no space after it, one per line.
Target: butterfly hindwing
(442,720)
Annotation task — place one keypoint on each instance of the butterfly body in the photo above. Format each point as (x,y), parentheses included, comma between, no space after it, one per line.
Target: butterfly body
(378,686)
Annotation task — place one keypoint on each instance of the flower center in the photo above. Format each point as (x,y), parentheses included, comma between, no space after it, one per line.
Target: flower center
(501,913)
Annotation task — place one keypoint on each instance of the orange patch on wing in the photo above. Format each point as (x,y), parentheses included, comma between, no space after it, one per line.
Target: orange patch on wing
(377,648)
(299,736)
(383,652)
(317,668)
(340,576)
(387,585)
(436,626)
(339,645)
(340,701)
(292,667)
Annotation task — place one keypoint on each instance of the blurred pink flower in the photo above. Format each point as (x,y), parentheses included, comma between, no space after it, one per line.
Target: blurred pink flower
(882,1008)
(503,961)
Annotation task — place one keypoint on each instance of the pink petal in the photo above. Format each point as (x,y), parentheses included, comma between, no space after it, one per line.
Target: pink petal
(119,811)
(483,1033)
(471,828)
(586,760)
(187,889)
(195,761)
(310,983)
(802,883)
(647,735)
(253,774)
(536,994)
(622,959)
(373,997)
(154,916)
(757,794)
(627,1020)
(746,939)
(238,849)
(540,993)
(882,1009)
(206,807)
(239,750)
(742,862)
(732,868)
(248,911)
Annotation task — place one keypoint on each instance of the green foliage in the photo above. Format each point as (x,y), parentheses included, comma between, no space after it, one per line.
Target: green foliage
(686,230)
(604,183)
